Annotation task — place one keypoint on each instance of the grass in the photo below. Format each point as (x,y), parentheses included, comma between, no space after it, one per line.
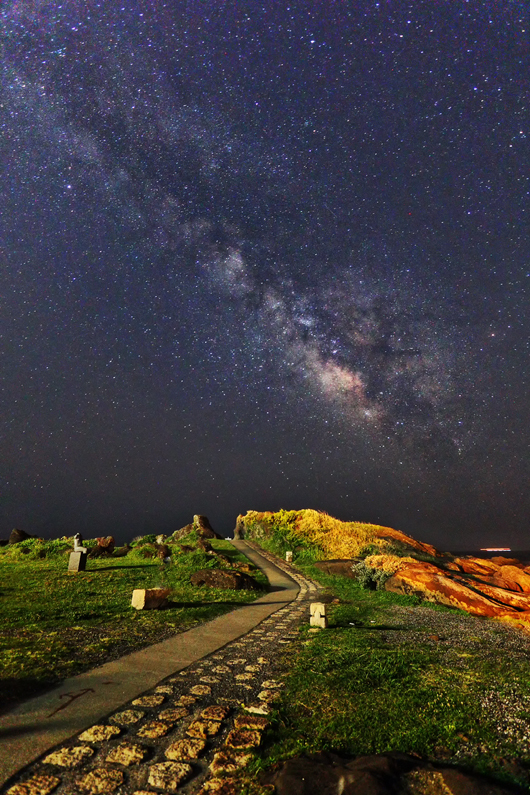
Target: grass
(368,685)
(328,537)
(56,624)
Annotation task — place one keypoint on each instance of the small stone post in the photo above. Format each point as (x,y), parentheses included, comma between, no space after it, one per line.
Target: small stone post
(289,556)
(318,615)
(77,560)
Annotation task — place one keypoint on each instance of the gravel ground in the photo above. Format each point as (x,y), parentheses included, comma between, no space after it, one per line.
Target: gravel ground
(461,639)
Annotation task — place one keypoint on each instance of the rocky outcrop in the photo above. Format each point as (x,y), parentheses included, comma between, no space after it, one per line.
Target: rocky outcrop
(431,583)
(183,532)
(220,578)
(203,527)
(17,536)
(381,774)
(478,566)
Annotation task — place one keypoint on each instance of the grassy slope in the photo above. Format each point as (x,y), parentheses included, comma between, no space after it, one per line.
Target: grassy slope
(363,686)
(55,624)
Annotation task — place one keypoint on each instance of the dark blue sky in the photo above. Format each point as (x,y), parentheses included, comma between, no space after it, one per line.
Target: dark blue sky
(263,255)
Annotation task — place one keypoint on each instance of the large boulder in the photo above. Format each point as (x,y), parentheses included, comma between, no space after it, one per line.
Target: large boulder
(203,527)
(380,774)
(340,566)
(220,578)
(17,536)
(512,578)
(105,547)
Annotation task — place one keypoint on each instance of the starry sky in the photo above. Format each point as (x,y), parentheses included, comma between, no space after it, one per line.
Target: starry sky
(271,254)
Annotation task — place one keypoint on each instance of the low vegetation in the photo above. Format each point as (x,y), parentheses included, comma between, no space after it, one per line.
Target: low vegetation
(56,624)
(324,537)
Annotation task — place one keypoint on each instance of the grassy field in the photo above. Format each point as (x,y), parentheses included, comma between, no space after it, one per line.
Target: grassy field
(392,673)
(55,624)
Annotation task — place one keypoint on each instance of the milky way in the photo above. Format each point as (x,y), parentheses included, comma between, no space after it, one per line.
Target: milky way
(259,256)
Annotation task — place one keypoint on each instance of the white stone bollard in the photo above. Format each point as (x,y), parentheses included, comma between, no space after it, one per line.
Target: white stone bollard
(149,598)
(318,616)
(289,557)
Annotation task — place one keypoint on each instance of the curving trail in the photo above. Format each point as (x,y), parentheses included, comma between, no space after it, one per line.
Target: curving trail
(224,663)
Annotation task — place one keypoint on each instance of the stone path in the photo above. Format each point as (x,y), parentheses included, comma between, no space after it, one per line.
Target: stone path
(191,731)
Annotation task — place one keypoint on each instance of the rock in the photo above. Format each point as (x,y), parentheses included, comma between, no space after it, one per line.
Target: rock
(127,717)
(380,774)
(254,722)
(149,598)
(184,531)
(451,566)
(121,552)
(69,757)
(17,536)
(101,780)
(126,754)
(173,714)
(214,712)
(243,738)
(220,578)
(204,545)
(203,527)
(148,701)
(513,578)
(168,775)
(425,579)
(479,566)
(37,785)
(98,733)
(220,786)
(185,750)
(154,729)
(201,690)
(342,567)
(239,531)
(502,561)
(105,546)
(202,729)
(228,762)
(163,551)
(505,596)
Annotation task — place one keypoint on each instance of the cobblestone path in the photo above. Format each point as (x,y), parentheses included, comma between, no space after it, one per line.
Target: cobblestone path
(191,732)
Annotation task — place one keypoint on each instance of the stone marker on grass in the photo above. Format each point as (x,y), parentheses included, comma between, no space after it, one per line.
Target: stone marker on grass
(318,615)
(289,556)
(149,598)
(77,560)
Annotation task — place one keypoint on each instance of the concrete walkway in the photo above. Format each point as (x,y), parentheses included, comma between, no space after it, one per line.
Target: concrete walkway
(39,724)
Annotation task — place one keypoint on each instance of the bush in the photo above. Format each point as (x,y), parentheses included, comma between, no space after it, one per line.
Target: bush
(370,578)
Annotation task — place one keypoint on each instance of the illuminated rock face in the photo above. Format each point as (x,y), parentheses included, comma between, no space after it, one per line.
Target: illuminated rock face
(436,586)
(480,587)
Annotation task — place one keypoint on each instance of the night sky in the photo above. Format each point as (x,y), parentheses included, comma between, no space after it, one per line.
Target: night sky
(272,254)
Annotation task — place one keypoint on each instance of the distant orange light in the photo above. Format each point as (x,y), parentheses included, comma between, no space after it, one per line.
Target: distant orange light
(495,549)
